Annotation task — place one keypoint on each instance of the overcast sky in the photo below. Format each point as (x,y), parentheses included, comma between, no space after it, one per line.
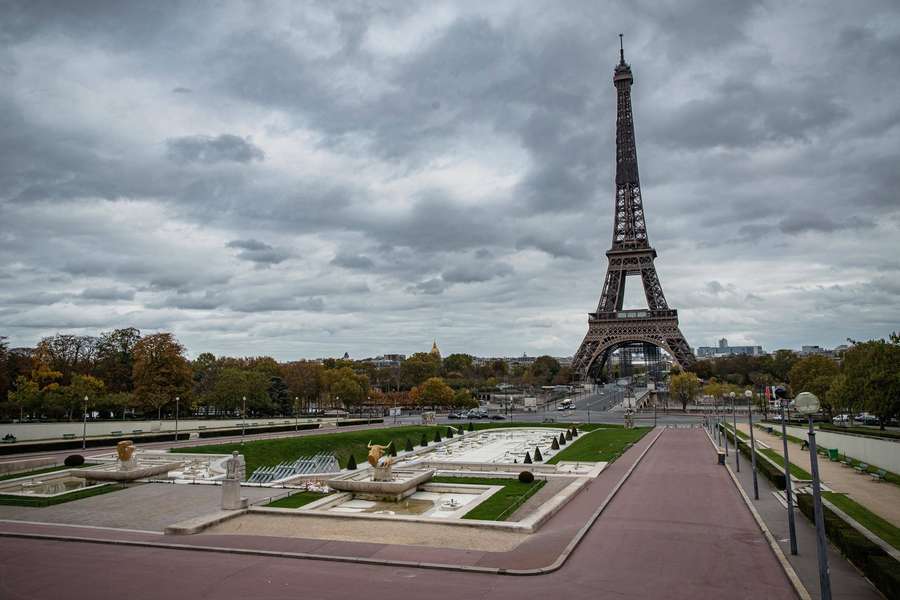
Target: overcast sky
(309,178)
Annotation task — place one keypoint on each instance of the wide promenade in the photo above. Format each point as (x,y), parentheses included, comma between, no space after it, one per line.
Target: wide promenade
(677,528)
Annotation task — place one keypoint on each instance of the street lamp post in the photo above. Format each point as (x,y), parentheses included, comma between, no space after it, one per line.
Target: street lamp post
(243,417)
(724,435)
(749,395)
(808,403)
(84,426)
(781,394)
(177,399)
(296,413)
(737,450)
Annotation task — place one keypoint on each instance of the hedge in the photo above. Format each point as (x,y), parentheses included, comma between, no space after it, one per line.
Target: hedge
(358,422)
(870,558)
(209,433)
(775,475)
(72,444)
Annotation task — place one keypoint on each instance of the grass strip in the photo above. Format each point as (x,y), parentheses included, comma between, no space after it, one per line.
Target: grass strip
(604,444)
(865,517)
(297,500)
(503,503)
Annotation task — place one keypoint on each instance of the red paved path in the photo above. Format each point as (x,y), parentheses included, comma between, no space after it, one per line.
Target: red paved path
(677,529)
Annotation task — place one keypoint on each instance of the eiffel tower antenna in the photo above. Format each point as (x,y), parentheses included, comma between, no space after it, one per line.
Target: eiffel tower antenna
(611,327)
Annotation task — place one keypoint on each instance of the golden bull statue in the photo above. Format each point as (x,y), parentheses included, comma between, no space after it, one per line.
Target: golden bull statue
(125,450)
(377,456)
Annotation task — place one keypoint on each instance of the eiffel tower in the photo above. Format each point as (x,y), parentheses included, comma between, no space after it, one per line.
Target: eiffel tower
(631,254)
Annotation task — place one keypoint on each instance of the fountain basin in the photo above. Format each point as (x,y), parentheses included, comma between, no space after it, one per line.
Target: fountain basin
(111,473)
(402,484)
(50,485)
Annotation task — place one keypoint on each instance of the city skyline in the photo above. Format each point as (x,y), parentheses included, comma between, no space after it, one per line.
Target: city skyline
(298,182)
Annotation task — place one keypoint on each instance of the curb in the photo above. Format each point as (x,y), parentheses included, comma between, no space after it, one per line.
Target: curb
(556,565)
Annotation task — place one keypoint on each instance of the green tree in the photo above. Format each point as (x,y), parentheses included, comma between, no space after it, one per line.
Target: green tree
(463,399)
(458,363)
(67,354)
(114,362)
(160,372)
(871,371)
(419,367)
(434,392)
(543,370)
(814,374)
(305,380)
(25,395)
(684,387)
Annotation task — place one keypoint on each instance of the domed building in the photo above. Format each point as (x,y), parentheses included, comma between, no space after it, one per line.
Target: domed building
(434,350)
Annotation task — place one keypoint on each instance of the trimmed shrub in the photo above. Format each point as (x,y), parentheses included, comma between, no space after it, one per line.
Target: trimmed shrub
(74,460)
(569,434)
(351,463)
(471,426)
(409,446)
(527,460)
(537,454)
(424,441)
(882,570)
(449,432)
(437,435)
(562,440)
(526,477)
(555,444)
(574,432)
(391,449)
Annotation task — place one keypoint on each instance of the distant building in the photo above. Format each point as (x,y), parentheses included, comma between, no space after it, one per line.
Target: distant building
(434,350)
(723,349)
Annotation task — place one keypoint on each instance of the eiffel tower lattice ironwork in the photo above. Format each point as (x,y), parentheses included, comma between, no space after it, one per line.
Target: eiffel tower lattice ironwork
(630,254)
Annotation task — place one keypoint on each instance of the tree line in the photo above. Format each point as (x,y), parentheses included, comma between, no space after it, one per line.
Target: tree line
(123,372)
(864,378)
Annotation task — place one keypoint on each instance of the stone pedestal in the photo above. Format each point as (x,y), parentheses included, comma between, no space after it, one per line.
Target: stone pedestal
(382,473)
(231,495)
(127,465)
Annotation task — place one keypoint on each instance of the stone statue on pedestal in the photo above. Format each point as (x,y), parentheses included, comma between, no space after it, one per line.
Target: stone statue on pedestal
(235,471)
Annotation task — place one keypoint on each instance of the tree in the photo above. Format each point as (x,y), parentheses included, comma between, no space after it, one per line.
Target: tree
(68,354)
(234,384)
(814,374)
(82,386)
(871,371)
(715,389)
(26,395)
(463,399)
(419,367)
(305,380)
(115,358)
(458,363)
(160,372)
(434,392)
(5,379)
(346,386)
(684,387)
(543,370)
(279,395)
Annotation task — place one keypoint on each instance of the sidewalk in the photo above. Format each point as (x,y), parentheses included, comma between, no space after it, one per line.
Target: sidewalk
(881,498)
(846,582)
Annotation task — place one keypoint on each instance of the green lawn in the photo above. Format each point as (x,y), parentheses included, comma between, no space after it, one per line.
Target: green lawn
(77,495)
(267,453)
(41,471)
(503,503)
(886,531)
(796,471)
(297,500)
(604,444)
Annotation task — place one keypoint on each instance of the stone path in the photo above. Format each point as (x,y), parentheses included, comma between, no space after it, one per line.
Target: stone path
(881,498)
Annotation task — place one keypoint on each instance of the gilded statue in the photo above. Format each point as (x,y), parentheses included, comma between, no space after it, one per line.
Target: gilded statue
(377,457)
(125,450)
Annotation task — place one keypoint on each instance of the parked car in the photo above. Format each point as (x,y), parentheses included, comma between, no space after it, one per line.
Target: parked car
(866,418)
(498,418)
(841,419)
(454,415)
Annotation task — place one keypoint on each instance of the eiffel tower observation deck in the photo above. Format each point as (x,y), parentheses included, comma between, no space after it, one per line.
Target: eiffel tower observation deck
(611,326)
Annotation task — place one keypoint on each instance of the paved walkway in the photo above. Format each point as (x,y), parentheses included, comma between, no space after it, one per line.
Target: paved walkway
(881,498)
(677,529)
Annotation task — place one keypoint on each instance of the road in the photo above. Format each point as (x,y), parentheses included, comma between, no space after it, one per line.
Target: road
(677,529)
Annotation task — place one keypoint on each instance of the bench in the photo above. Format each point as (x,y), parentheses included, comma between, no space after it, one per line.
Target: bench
(861,468)
(137,431)
(878,475)
(847,462)
(115,433)
(68,436)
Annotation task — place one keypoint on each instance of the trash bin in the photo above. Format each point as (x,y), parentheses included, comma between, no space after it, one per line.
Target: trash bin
(833,454)
(721,458)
